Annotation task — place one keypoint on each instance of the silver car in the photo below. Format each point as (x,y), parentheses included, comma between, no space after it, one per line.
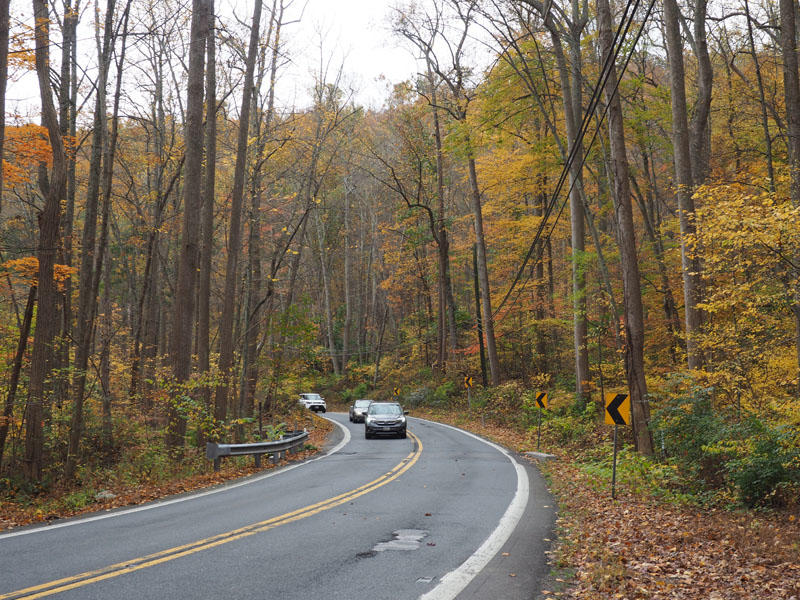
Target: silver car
(358,410)
(385,418)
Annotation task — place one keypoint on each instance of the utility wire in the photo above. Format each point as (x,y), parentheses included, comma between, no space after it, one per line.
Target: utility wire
(602,79)
(619,35)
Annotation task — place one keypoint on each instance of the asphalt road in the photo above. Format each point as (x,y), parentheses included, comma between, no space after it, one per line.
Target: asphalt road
(442,514)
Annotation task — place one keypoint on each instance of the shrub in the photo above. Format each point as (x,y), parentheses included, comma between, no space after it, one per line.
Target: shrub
(768,464)
(685,427)
(715,450)
(567,426)
(442,393)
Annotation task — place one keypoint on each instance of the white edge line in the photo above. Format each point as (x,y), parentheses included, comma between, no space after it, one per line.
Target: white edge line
(157,504)
(454,582)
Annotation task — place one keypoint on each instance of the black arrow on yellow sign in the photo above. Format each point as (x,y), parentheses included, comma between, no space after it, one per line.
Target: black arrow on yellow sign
(618,410)
(541,400)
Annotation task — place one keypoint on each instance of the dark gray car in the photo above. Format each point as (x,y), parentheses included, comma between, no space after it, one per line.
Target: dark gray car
(385,418)
(358,410)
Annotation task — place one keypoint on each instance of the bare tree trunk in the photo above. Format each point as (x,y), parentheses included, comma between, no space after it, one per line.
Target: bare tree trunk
(105,362)
(348,314)
(49,229)
(103,261)
(443,243)
(16,369)
(670,311)
(87,300)
(182,323)
(67,100)
(483,272)
(207,225)
(326,293)
(577,205)
(761,98)
(4,24)
(251,348)
(234,237)
(791,90)
(692,284)
(700,126)
(634,318)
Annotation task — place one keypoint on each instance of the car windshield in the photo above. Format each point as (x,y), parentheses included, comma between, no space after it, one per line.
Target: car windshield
(362,403)
(311,396)
(385,409)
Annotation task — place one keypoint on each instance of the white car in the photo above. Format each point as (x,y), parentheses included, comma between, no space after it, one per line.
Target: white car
(313,402)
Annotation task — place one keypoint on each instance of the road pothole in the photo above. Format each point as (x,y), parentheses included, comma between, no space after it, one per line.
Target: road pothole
(403,540)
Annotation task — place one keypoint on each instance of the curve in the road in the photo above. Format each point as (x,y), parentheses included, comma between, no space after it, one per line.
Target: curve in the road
(455,581)
(151,560)
(182,498)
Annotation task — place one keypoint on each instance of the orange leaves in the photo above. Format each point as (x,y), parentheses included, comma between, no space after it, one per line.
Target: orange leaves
(26,270)
(26,146)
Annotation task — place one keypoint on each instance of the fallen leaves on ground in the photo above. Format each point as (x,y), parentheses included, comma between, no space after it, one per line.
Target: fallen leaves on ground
(13,514)
(635,548)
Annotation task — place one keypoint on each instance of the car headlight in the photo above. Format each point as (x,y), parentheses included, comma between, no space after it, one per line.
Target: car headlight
(402,419)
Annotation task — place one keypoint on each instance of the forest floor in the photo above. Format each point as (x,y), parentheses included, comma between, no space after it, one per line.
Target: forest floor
(640,547)
(55,503)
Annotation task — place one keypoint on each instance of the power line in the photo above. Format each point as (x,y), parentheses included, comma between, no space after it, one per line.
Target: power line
(602,80)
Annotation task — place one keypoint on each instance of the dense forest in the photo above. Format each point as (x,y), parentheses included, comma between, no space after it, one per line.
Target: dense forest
(579,196)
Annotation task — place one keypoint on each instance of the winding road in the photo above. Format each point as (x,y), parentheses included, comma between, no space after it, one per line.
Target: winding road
(442,514)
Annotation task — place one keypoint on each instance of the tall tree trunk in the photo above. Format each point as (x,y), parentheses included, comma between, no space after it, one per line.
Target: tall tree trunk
(761,98)
(634,318)
(348,311)
(483,271)
(103,260)
(577,207)
(67,103)
(326,295)
(4,25)
(700,125)
(671,316)
(87,299)
(207,225)
(16,369)
(234,237)
(692,283)
(443,244)
(105,362)
(183,316)
(791,91)
(49,229)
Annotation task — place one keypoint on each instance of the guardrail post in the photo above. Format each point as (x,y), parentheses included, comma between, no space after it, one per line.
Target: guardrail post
(216,463)
(258,460)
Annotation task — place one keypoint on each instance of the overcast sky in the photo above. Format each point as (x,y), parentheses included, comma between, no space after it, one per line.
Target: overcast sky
(353,33)
(356,33)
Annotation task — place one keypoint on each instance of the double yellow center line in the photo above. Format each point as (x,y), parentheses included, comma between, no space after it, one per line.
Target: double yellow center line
(151,560)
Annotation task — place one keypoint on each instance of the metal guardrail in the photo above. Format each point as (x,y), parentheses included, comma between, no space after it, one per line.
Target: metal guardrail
(291,442)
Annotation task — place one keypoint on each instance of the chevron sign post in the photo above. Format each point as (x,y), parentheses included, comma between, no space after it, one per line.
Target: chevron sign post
(541,402)
(618,412)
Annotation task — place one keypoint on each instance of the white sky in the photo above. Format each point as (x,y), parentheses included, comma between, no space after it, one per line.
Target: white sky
(357,33)
(353,33)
